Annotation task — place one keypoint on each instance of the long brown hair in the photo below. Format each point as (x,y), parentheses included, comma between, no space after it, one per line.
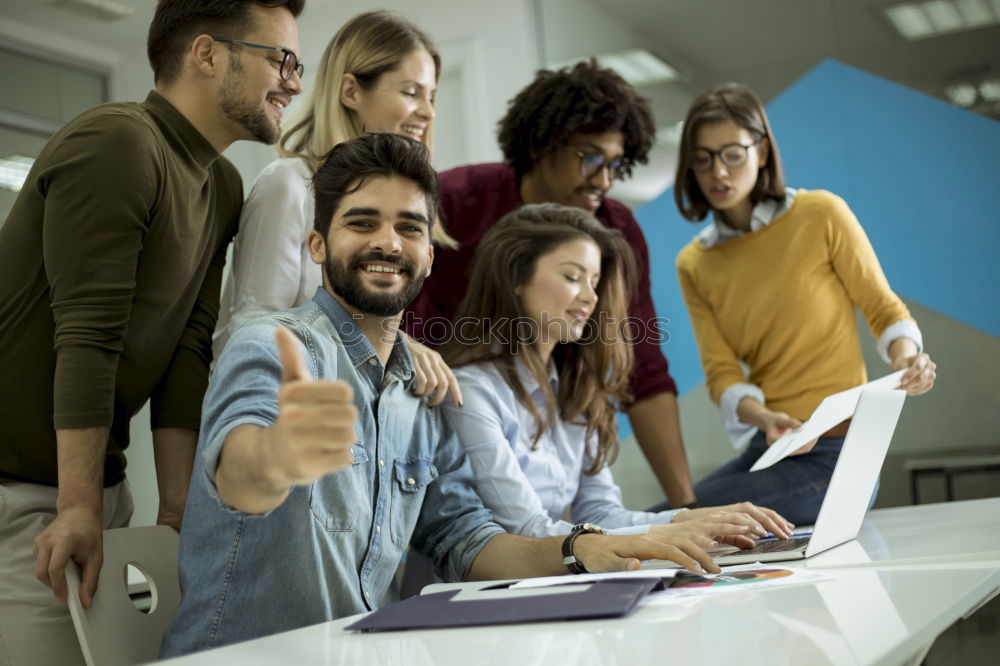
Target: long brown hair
(594,371)
(728,102)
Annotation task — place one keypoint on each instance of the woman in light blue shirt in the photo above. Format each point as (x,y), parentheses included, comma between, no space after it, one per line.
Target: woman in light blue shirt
(541,353)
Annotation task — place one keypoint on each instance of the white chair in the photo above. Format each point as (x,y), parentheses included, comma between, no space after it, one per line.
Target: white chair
(113,631)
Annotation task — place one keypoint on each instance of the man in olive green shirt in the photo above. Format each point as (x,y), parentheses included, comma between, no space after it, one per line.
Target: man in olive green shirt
(110,267)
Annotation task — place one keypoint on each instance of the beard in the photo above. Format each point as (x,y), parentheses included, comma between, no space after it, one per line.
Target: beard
(251,117)
(347,282)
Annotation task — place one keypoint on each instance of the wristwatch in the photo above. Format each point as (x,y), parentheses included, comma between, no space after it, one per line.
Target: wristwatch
(574,565)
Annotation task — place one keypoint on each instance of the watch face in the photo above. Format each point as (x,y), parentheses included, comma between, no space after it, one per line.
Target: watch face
(589,528)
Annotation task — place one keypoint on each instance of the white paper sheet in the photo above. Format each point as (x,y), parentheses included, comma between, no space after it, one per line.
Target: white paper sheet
(548,581)
(833,410)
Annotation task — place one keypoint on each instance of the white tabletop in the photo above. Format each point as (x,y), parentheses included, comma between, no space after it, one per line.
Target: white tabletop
(947,534)
(891,592)
(860,617)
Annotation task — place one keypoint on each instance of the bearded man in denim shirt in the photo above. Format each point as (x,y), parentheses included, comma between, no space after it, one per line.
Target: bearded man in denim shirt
(316,466)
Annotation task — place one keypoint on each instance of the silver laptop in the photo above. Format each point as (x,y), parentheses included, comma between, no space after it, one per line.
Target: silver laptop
(848,494)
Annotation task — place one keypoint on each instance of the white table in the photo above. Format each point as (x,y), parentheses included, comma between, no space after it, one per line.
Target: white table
(900,585)
(965,534)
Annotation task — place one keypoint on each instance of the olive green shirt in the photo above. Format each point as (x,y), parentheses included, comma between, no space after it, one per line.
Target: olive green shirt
(110,268)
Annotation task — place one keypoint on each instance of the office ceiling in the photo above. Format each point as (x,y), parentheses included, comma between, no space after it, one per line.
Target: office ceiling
(767,44)
(49,15)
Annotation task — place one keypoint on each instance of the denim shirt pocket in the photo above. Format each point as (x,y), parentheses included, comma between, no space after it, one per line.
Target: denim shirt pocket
(327,495)
(411,478)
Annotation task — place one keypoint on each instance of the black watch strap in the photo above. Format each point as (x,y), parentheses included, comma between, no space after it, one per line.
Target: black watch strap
(574,565)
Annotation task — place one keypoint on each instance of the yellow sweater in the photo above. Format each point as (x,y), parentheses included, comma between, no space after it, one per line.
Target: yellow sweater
(782,300)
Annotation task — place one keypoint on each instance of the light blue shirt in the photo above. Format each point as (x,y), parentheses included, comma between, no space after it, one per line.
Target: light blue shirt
(765,212)
(331,549)
(530,489)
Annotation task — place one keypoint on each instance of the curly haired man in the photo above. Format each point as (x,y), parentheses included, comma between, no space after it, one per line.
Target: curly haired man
(565,138)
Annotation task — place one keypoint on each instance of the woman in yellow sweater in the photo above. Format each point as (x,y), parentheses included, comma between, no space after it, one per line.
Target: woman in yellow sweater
(771,285)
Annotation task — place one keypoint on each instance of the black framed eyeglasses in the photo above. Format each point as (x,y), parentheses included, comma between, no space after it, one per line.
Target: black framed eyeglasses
(732,155)
(592,163)
(289,61)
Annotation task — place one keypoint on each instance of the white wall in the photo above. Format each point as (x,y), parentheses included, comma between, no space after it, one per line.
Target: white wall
(489,53)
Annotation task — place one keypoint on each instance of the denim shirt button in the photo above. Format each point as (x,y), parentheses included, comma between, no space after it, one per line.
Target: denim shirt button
(411,481)
(381,463)
(378,530)
(373,361)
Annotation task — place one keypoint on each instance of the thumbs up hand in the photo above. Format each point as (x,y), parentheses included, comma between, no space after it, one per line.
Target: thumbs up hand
(315,429)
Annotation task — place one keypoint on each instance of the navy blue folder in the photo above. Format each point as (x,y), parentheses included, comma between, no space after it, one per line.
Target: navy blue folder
(611,598)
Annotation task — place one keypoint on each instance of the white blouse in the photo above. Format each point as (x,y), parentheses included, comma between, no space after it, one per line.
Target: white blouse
(271,269)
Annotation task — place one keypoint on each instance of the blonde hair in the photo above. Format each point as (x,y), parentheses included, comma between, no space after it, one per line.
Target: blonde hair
(367,46)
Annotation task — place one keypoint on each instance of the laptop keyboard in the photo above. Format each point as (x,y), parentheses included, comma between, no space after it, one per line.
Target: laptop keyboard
(779,545)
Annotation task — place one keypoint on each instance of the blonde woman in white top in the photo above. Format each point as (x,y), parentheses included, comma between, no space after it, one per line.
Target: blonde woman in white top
(378,74)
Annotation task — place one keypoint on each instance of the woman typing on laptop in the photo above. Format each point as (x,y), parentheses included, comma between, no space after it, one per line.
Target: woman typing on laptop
(542,359)
(771,284)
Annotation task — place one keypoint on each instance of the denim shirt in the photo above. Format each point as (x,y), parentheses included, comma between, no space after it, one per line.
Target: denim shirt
(331,549)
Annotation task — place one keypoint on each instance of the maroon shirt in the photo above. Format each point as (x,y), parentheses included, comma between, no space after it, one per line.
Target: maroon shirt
(473,198)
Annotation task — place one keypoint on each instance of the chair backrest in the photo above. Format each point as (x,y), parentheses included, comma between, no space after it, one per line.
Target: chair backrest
(113,632)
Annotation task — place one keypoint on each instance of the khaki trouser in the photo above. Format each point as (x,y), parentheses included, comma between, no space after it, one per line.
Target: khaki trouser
(34,628)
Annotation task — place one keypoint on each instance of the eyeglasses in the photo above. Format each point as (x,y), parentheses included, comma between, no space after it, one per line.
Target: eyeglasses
(289,61)
(732,156)
(592,163)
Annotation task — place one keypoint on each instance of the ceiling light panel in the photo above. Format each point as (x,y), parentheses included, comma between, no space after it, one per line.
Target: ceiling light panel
(637,66)
(961,94)
(975,13)
(918,20)
(14,171)
(990,90)
(910,21)
(105,10)
(943,15)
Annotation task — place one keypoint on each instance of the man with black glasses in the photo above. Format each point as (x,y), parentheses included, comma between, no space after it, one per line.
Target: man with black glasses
(565,138)
(110,266)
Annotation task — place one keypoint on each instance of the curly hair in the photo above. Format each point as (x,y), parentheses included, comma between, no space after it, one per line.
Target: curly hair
(583,99)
